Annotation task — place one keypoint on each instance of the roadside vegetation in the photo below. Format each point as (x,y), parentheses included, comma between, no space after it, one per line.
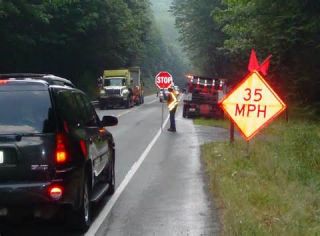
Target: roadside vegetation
(80,39)
(212,122)
(271,187)
(218,36)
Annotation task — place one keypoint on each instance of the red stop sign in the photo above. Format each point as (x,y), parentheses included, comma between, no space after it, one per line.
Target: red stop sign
(163,80)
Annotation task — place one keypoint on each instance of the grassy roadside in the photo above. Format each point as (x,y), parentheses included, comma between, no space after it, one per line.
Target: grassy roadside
(212,122)
(275,190)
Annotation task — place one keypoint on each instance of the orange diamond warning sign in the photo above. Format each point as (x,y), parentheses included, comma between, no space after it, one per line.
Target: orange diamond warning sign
(252,105)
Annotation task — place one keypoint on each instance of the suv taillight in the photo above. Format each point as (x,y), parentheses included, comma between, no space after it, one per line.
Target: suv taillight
(55,192)
(61,155)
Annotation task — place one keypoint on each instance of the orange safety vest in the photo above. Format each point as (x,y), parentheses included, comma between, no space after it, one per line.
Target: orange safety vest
(172,101)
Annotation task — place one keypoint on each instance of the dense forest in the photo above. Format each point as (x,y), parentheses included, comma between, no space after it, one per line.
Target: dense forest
(218,36)
(78,39)
(165,22)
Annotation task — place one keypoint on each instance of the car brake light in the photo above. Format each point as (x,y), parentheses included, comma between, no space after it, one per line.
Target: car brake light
(61,153)
(55,192)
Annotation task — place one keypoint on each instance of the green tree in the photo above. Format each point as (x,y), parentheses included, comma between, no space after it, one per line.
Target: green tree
(77,39)
(219,35)
(287,29)
(200,35)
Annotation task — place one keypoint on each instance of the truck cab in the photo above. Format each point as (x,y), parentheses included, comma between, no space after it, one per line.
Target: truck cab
(121,87)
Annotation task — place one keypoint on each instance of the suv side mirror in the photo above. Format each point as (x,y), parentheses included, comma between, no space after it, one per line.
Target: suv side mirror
(109,121)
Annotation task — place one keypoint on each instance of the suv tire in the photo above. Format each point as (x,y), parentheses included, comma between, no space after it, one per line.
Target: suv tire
(80,219)
(111,179)
(108,174)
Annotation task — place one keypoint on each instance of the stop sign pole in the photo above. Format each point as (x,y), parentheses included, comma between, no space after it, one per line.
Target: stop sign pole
(163,80)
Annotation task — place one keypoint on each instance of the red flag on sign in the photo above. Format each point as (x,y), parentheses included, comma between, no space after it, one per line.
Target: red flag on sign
(264,67)
(253,63)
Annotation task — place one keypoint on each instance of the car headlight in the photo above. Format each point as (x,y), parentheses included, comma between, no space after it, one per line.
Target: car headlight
(124,92)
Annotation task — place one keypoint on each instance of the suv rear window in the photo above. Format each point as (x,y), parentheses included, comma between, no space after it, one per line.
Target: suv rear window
(25,112)
(74,108)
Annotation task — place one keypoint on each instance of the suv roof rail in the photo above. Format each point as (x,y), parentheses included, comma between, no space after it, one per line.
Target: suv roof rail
(49,78)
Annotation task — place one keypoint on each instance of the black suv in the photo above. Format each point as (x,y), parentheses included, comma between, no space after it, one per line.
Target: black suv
(55,153)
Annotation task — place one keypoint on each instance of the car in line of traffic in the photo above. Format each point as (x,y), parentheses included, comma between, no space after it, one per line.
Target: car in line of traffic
(55,154)
(163,93)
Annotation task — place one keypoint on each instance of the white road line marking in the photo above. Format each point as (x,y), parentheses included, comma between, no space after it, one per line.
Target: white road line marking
(126,112)
(152,101)
(108,207)
(134,109)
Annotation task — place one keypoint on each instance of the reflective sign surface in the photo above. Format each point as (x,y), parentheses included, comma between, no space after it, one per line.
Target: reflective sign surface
(252,104)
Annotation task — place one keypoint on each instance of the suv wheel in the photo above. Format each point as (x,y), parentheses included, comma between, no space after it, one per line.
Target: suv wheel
(108,175)
(111,180)
(81,218)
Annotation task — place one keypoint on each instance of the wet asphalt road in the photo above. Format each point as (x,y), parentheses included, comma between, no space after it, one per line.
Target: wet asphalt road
(165,196)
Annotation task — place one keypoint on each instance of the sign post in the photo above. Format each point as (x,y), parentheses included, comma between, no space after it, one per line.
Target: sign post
(253,104)
(231,132)
(163,80)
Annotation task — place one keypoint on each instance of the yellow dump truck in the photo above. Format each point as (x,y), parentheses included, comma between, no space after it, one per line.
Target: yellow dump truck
(122,87)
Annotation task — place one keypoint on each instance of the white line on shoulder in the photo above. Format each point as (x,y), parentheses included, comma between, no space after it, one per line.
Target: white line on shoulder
(153,101)
(108,207)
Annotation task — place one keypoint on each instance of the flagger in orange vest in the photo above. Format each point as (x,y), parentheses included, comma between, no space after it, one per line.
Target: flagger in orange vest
(172,103)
